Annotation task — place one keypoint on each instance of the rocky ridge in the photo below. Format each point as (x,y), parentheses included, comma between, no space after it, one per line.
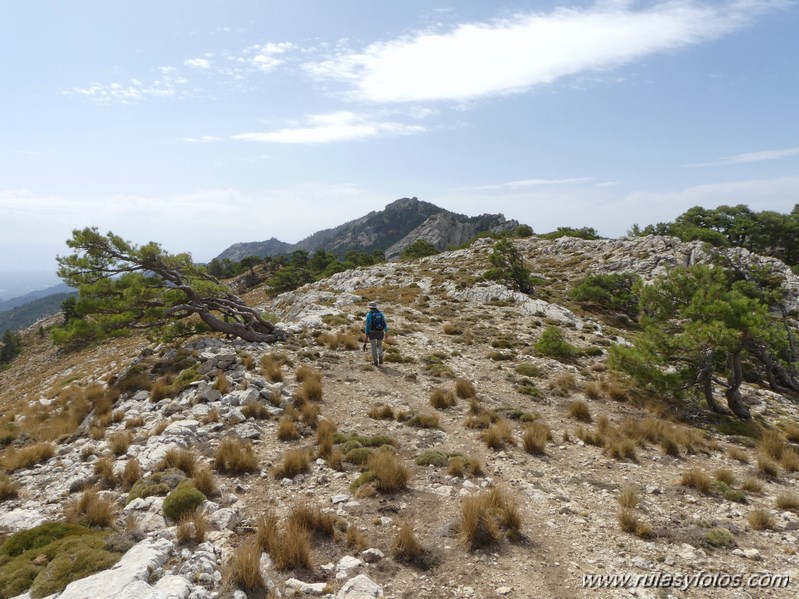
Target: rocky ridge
(567,496)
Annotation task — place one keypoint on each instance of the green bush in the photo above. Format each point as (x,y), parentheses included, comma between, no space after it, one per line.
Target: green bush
(157,483)
(39,536)
(72,552)
(419,249)
(553,343)
(182,500)
(616,292)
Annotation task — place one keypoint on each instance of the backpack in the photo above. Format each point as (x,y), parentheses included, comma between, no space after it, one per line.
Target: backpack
(378,321)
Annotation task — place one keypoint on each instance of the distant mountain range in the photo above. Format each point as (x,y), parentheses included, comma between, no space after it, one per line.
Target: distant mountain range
(391,230)
(38,305)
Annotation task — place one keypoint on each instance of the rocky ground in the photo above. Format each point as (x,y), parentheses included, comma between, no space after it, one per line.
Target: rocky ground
(446,324)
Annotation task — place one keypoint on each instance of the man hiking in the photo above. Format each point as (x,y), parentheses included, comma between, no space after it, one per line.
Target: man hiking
(376,329)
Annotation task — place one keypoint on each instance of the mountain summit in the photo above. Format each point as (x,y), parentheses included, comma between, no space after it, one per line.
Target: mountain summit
(392,229)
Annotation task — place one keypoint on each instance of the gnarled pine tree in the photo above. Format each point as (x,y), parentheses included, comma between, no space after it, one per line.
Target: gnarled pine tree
(699,322)
(123,288)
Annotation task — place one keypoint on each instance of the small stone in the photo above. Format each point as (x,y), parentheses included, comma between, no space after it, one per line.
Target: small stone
(503,591)
(341,498)
(372,555)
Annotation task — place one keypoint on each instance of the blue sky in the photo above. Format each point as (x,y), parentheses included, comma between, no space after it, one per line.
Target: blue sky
(201,124)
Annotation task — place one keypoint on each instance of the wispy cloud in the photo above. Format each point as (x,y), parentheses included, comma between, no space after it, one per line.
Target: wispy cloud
(331,127)
(514,54)
(197,63)
(133,91)
(523,183)
(202,139)
(751,157)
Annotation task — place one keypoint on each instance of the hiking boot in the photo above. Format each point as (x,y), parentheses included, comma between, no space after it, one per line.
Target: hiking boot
(375,363)
(381,358)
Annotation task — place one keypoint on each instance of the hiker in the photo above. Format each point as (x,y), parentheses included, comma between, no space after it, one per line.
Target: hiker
(376,330)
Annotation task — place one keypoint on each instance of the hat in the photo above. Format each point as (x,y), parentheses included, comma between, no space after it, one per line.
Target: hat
(373,305)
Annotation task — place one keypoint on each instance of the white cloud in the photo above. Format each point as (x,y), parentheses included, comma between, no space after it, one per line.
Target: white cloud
(531,183)
(168,86)
(197,63)
(265,56)
(510,55)
(336,126)
(203,139)
(751,157)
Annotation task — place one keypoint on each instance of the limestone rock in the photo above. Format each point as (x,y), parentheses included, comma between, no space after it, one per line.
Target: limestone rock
(360,587)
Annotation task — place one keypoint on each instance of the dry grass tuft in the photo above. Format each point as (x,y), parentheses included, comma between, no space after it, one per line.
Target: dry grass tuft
(203,480)
(313,519)
(738,454)
(442,398)
(324,437)
(131,474)
(381,412)
(725,475)
(8,488)
(235,456)
(182,459)
(579,411)
(563,384)
(629,522)
(192,526)
(104,469)
(752,485)
(221,383)
(244,569)
(790,460)
(791,431)
(310,390)
(295,461)
(304,373)
(272,368)
(90,510)
(356,539)
(17,459)
(697,479)
(761,519)
(535,437)
(484,516)
(788,500)
(464,389)
(119,442)
(628,497)
(766,467)
(499,434)
(310,414)
(135,422)
(771,445)
(390,474)
(406,546)
(287,430)
(255,409)
(289,549)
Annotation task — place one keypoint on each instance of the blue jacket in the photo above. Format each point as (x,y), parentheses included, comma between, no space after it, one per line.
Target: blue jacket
(368,328)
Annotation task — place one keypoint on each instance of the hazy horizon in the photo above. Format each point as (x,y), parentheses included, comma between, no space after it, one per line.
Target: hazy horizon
(216,124)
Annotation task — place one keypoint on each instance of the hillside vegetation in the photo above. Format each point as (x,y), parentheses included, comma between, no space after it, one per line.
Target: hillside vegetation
(495,452)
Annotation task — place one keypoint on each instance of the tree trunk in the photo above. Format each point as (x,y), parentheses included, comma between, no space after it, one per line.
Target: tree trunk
(733,393)
(258,334)
(705,378)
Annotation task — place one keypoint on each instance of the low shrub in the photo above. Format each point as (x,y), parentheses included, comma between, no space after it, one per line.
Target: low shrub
(183,500)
